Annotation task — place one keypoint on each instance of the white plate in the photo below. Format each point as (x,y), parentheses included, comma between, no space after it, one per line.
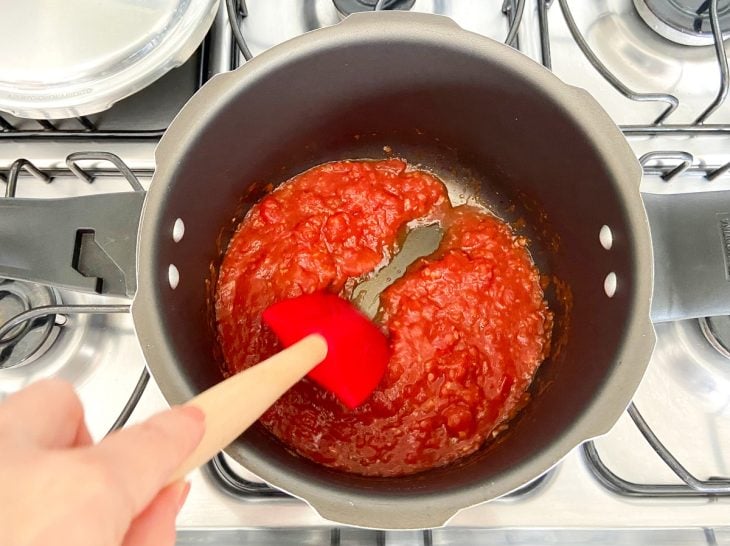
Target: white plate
(61,59)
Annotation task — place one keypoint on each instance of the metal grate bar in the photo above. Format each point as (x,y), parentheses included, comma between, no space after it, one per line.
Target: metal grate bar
(514,9)
(675,162)
(86,122)
(542,18)
(236,8)
(5,125)
(15,168)
(128,408)
(657,127)
(671,101)
(685,159)
(46,310)
(46,124)
(720,129)
(692,486)
(712,487)
(96,172)
(236,485)
(626,488)
(721,61)
(86,175)
(73,159)
(719,171)
(152,134)
(64,310)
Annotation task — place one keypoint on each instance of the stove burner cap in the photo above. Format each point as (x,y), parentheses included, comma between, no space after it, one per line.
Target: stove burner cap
(346,7)
(686,22)
(717,332)
(29,339)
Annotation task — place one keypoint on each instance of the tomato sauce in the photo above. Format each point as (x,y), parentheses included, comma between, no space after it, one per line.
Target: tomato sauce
(468,326)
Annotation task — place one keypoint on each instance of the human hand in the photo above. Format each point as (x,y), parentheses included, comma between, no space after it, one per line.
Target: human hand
(57,488)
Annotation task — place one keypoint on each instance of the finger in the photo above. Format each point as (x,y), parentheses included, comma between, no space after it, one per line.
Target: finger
(155,526)
(48,414)
(83,436)
(141,459)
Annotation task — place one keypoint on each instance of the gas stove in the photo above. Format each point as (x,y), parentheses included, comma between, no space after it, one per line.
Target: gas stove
(663,473)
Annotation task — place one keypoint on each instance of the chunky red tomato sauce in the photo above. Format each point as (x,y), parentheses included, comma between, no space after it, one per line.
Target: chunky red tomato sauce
(468,326)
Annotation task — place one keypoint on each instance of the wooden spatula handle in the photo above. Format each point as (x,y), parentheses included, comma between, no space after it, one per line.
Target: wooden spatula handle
(233,405)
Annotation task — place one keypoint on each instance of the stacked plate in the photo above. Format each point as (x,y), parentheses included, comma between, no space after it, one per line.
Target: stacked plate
(78,57)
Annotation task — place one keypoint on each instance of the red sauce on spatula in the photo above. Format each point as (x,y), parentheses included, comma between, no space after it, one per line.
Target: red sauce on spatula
(468,326)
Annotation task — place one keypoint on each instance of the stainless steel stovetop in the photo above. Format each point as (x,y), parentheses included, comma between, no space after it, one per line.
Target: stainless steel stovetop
(617,489)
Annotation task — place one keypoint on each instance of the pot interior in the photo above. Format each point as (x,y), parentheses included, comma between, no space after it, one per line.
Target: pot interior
(489,132)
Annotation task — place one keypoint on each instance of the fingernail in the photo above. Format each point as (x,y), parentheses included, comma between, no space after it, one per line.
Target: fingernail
(182,495)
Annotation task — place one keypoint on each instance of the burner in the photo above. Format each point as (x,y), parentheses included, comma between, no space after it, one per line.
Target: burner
(346,7)
(24,342)
(717,332)
(685,22)
(689,354)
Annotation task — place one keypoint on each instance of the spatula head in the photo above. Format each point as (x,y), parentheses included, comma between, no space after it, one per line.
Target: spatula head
(357,351)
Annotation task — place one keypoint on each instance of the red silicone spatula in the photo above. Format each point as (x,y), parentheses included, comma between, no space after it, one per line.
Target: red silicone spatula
(325,338)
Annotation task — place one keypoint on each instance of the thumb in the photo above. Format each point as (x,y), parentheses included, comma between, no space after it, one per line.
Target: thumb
(155,526)
(140,460)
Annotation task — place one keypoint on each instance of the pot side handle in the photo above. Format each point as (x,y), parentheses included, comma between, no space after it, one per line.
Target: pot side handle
(84,243)
(398,17)
(417,515)
(691,240)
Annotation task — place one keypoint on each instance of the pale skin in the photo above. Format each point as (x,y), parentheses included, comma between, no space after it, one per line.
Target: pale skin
(58,487)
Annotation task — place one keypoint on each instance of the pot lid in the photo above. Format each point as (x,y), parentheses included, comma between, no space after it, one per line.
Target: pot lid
(78,57)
